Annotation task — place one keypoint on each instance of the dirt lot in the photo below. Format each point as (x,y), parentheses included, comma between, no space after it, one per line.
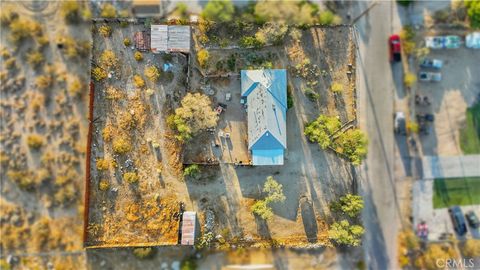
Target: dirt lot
(143,212)
(458,90)
(311,178)
(42,179)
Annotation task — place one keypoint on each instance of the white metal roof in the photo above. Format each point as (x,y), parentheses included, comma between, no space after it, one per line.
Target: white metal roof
(170,38)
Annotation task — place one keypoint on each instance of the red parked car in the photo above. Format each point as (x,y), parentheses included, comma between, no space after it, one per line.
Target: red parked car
(394,44)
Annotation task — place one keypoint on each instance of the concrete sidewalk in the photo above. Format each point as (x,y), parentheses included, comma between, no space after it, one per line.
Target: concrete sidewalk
(450,166)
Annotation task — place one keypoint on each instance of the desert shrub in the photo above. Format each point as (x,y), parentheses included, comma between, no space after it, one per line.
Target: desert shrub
(336,87)
(121,145)
(127,42)
(191,170)
(40,232)
(70,11)
(138,81)
(138,56)
(42,40)
(35,58)
(412,127)
(202,57)
(7,15)
(345,234)
(103,164)
(23,28)
(107,133)
(409,79)
(108,11)
(126,121)
(218,11)
(108,59)
(24,179)
(130,177)
(441,16)
(430,257)
(272,33)
(66,194)
(103,185)
(35,141)
(471,248)
(99,74)
(247,42)
(10,63)
(152,73)
(311,94)
(205,240)
(105,30)
(75,85)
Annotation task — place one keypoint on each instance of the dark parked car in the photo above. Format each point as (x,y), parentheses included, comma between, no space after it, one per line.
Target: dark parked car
(458,220)
(472,219)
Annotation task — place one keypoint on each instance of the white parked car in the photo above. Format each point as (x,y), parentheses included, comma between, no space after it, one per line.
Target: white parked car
(429,76)
(400,124)
(443,42)
(472,40)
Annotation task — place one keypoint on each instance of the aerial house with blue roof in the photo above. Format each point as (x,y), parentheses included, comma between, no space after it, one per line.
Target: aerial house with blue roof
(265,94)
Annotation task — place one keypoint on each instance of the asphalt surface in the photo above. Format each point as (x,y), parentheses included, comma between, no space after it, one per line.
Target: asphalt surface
(379,83)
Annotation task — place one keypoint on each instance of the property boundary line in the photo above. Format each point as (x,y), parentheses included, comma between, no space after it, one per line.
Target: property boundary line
(87,164)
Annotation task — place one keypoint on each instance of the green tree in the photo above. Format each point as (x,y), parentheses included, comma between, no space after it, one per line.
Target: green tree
(262,209)
(191,170)
(352,143)
(197,112)
(473,12)
(349,204)
(218,11)
(321,129)
(152,73)
(274,191)
(345,234)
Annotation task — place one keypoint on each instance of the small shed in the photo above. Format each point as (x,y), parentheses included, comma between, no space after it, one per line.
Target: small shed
(189,223)
(170,38)
(142,41)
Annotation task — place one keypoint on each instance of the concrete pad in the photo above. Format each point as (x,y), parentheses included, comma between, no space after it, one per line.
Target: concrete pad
(449,167)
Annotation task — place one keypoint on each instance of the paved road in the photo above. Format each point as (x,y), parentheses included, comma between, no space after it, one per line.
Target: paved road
(379,83)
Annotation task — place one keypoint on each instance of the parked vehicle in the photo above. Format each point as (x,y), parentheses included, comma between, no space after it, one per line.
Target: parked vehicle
(472,219)
(425,117)
(431,63)
(472,40)
(458,220)
(395,48)
(422,100)
(425,76)
(400,124)
(443,42)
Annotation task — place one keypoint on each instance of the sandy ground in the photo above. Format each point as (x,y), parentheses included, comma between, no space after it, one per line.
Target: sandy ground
(160,193)
(62,123)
